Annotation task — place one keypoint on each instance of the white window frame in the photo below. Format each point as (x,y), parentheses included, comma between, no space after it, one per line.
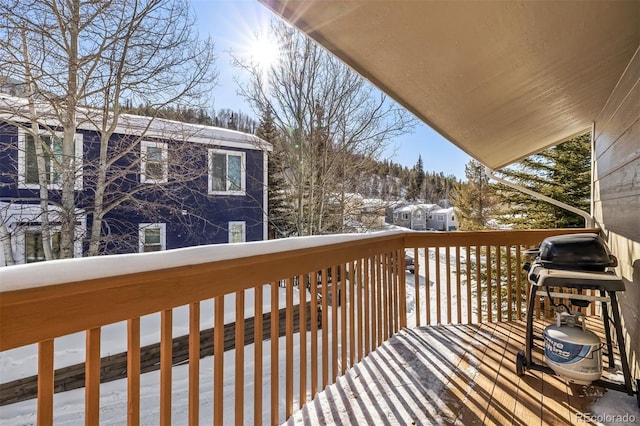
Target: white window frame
(22,159)
(243,177)
(404,216)
(440,217)
(144,145)
(142,227)
(243,225)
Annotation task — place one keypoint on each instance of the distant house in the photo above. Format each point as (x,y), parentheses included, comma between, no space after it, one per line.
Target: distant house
(215,193)
(413,216)
(442,219)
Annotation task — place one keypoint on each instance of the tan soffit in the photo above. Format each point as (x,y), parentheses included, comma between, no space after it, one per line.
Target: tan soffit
(499,79)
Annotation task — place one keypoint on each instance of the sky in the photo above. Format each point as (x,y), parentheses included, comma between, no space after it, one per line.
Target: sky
(232,24)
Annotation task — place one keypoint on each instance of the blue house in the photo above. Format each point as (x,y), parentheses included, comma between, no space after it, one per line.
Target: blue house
(168,185)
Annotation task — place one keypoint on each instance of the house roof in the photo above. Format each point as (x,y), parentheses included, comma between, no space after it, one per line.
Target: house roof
(414,207)
(501,80)
(15,109)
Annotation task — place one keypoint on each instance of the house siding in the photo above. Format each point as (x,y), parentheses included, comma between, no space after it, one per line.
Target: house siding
(205,216)
(616,194)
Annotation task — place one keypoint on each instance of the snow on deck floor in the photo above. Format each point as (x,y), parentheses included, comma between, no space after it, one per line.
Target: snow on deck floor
(400,383)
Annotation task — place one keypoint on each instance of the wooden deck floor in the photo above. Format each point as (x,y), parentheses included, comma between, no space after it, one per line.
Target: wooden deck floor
(454,374)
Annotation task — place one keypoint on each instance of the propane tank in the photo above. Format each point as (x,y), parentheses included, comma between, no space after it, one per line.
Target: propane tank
(572,351)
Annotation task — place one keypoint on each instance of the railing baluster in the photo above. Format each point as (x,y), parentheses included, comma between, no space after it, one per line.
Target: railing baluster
(427,277)
(352,307)
(274,355)
(367,307)
(402,294)
(258,339)
(468,262)
(438,289)
(509,285)
(518,282)
(342,301)
(314,334)
(395,272)
(416,283)
(334,324)
(289,349)
(194,363)
(133,372)
(218,362)
(374,302)
(359,304)
(166,358)
(92,377)
(499,282)
(449,292)
(325,330)
(386,301)
(302,321)
(458,287)
(45,383)
(239,349)
(478,285)
(379,300)
(489,285)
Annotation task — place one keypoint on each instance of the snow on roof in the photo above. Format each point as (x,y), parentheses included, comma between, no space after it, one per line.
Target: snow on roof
(16,109)
(414,207)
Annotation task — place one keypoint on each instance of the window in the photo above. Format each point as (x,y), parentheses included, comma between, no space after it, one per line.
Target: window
(418,215)
(440,218)
(154,165)
(52,145)
(430,217)
(453,218)
(226,172)
(237,233)
(152,237)
(34,249)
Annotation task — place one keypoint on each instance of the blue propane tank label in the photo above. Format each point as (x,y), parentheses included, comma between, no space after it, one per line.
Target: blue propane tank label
(564,352)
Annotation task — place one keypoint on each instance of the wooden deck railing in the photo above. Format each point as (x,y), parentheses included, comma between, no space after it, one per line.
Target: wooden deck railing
(357,282)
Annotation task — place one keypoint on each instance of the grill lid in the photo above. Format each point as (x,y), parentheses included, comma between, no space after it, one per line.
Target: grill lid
(576,251)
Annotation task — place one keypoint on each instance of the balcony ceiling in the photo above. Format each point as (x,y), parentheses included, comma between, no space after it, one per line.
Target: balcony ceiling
(501,80)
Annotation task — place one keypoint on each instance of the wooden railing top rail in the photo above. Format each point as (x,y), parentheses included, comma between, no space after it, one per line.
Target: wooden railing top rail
(38,303)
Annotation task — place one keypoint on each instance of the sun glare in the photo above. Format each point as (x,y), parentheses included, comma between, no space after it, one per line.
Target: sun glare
(264,51)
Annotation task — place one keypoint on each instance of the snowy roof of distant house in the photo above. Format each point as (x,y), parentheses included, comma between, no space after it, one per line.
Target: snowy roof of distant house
(442,211)
(414,207)
(16,109)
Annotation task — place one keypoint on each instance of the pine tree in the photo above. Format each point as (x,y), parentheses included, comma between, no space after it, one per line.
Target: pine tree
(420,177)
(278,210)
(474,199)
(563,173)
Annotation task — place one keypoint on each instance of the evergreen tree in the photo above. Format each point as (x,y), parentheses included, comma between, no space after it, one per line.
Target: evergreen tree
(278,207)
(563,173)
(474,199)
(419,178)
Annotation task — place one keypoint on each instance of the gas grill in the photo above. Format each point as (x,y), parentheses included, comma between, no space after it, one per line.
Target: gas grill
(564,267)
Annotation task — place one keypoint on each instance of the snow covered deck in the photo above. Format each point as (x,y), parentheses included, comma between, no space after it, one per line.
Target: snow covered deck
(456,374)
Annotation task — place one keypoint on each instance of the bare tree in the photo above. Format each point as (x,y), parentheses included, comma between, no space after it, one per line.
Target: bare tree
(91,56)
(331,120)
